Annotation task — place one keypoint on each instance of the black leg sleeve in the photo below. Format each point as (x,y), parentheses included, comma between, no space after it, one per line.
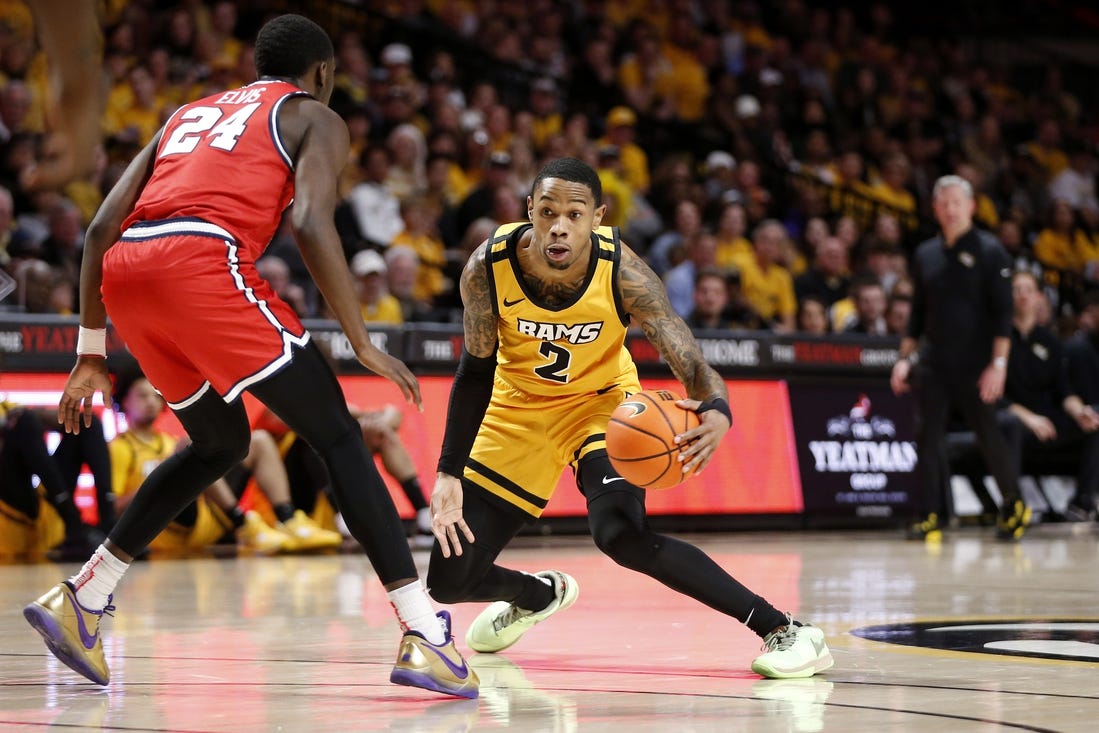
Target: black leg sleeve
(621,530)
(219,435)
(474,575)
(306,396)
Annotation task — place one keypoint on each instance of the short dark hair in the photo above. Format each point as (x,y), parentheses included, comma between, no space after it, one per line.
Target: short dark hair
(573,170)
(289,44)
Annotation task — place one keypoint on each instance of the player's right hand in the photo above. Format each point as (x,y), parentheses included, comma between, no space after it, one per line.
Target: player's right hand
(87,377)
(446,514)
(395,371)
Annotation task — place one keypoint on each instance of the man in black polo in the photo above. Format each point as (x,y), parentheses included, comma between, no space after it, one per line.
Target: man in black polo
(961,310)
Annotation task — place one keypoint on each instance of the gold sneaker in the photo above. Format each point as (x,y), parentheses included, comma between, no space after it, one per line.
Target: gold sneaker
(439,668)
(257,536)
(305,534)
(71,631)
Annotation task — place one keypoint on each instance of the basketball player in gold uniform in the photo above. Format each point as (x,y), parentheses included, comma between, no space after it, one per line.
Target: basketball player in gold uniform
(547,303)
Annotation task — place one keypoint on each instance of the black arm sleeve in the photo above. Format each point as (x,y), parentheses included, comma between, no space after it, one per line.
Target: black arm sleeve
(469,397)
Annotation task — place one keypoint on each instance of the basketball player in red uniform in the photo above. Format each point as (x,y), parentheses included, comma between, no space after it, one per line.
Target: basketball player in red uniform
(171,257)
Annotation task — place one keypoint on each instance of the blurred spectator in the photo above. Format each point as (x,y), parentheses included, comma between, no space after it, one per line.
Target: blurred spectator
(663,252)
(375,301)
(646,76)
(732,246)
(1046,149)
(986,216)
(620,131)
(403,270)
(892,186)
(277,274)
(827,279)
(617,193)
(680,280)
(479,202)
(1075,185)
(711,300)
(43,289)
(7,226)
(1067,246)
(408,155)
(897,313)
(545,111)
(377,212)
(870,302)
(420,235)
(718,174)
(812,317)
(767,285)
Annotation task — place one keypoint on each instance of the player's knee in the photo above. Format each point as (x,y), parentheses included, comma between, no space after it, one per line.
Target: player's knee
(226,447)
(446,587)
(626,545)
(453,580)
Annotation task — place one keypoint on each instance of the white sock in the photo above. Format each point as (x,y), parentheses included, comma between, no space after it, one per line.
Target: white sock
(96,581)
(415,612)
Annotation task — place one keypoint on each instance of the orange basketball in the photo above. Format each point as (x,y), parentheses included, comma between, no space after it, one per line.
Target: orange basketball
(641,439)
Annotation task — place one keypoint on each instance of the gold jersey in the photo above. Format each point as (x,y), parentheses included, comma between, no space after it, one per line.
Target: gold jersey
(575,348)
(560,373)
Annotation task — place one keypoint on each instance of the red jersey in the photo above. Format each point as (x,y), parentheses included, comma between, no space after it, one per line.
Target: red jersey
(221,160)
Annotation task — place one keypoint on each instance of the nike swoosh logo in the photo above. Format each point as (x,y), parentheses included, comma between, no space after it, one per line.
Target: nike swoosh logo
(609,480)
(509,303)
(88,640)
(461,672)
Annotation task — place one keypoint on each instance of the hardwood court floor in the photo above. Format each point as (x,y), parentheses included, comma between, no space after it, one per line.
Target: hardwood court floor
(306,643)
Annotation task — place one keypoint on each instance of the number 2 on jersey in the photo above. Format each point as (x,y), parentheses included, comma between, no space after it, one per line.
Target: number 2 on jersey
(198,123)
(558,369)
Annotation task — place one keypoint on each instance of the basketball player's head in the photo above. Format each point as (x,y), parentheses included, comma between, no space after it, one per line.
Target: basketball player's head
(565,205)
(294,47)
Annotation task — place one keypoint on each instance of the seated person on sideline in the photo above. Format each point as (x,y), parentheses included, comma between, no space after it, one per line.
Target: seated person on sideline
(309,479)
(1082,405)
(1046,411)
(34,520)
(142,447)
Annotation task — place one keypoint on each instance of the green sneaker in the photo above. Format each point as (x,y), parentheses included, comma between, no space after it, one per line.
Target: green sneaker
(793,651)
(502,624)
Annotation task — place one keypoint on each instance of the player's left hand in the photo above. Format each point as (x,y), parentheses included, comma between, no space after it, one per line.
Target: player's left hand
(446,515)
(87,377)
(701,442)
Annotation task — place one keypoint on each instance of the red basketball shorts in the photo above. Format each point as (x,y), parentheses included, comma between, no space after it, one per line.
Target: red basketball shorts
(188,302)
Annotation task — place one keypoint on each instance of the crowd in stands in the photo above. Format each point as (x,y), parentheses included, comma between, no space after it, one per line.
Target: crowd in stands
(773,164)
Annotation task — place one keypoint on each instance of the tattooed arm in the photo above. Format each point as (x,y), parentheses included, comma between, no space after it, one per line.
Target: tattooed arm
(469,398)
(478,319)
(646,301)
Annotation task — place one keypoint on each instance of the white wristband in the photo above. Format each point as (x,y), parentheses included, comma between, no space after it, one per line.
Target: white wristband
(1000,362)
(91,342)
